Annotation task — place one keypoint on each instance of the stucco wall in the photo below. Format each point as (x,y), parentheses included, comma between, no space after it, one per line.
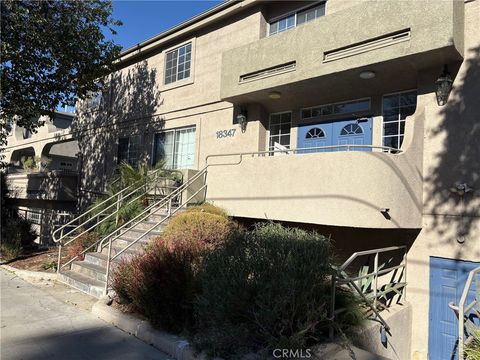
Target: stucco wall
(452,154)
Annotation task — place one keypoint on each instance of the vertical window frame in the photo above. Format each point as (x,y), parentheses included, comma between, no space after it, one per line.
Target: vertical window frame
(295,13)
(176,50)
(280,134)
(399,136)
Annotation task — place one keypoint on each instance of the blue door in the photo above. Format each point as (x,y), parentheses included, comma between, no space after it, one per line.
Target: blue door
(317,135)
(353,132)
(344,132)
(447,280)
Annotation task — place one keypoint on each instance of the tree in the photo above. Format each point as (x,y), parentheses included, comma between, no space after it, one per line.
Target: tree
(52,52)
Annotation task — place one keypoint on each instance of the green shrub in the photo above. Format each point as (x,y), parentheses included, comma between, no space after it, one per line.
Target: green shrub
(265,289)
(75,248)
(472,350)
(163,283)
(16,233)
(208,208)
(17,236)
(205,229)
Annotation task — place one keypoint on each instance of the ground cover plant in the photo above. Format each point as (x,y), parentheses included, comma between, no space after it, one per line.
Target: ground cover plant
(162,283)
(16,233)
(234,291)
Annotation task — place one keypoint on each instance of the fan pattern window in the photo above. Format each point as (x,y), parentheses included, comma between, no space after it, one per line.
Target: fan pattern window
(315,133)
(351,129)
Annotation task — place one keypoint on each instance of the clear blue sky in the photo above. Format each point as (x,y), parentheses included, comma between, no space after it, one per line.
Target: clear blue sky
(144,19)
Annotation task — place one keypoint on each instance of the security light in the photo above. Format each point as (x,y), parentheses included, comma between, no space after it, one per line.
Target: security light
(444,86)
(242,120)
(368,74)
(274,95)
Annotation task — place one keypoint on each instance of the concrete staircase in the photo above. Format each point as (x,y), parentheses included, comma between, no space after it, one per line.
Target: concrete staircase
(89,275)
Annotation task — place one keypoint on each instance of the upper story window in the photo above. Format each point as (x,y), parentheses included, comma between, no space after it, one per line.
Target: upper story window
(297,18)
(178,63)
(279,127)
(129,150)
(396,107)
(336,109)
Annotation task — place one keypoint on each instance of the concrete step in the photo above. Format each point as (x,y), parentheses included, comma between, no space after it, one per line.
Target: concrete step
(148,224)
(123,242)
(91,270)
(136,249)
(101,259)
(135,233)
(83,283)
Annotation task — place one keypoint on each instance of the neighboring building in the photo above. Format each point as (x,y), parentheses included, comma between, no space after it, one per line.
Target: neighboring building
(42,172)
(324,76)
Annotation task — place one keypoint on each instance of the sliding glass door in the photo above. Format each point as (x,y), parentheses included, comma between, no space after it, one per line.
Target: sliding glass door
(176,147)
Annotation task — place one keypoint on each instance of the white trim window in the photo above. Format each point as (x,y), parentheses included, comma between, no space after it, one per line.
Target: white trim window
(297,18)
(279,128)
(178,63)
(129,150)
(353,106)
(176,147)
(395,108)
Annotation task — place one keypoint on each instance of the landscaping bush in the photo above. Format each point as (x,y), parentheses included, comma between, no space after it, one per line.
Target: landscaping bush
(162,283)
(265,289)
(204,229)
(208,208)
(75,248)
(472,350)
(16,233)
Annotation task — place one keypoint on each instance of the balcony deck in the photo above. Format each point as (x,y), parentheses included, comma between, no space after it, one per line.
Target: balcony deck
(336,47)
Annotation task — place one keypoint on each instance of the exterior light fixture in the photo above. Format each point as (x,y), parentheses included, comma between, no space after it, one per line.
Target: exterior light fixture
(444,86)
(242,119)
(274,94)
(367,74)
(461,188)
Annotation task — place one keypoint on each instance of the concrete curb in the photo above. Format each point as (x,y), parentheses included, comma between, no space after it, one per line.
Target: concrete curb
(173,345)
(29,276)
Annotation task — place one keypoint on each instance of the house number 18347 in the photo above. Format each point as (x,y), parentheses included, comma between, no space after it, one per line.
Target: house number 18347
(225,133)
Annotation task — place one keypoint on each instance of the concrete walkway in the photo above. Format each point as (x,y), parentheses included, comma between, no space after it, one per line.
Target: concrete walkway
(36,325)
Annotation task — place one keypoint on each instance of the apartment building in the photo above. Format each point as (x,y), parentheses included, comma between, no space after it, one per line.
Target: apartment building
(42,173)
(356,118)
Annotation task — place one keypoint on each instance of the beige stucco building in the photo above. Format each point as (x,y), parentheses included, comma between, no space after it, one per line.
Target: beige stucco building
(353,82)
(42,172)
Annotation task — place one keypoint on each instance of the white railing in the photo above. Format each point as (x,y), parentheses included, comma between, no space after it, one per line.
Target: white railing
(462,311)
(103,211)
(366,284)
(329,148)
(174,202)
(171,202)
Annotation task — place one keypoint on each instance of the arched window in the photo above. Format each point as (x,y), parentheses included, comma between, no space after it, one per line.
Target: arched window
(315,133)
(351,129)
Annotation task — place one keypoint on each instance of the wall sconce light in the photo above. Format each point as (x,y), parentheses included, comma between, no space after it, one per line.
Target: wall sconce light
(444,86)
(460,188)
(242,119)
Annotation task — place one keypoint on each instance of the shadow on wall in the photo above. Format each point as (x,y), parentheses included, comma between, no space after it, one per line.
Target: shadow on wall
(126,109)
(457,161)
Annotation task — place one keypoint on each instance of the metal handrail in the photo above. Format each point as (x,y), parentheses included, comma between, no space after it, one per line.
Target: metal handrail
(116,195)
(171,213)
(388,149)
(340,276)
(147,212)
(124,228)
(462,310)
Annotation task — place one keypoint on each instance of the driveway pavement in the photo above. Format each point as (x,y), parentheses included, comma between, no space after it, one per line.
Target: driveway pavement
(36,325)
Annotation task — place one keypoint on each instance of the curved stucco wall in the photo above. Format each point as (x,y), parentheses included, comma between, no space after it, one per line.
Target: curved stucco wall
(329,188)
